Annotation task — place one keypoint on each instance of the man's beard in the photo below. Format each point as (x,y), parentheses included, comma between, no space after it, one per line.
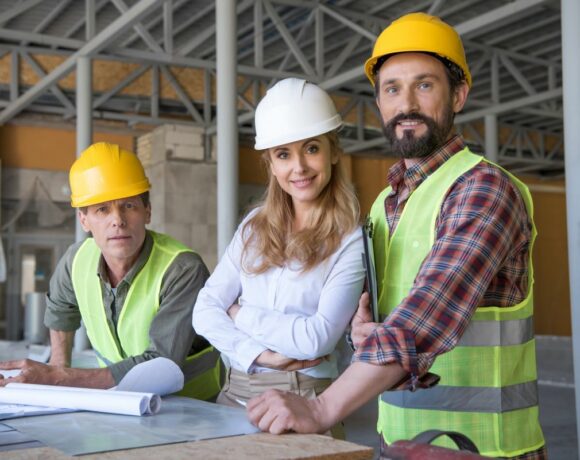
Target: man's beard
(410,146)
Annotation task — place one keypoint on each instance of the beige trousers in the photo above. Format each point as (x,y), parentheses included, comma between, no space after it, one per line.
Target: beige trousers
(240,387)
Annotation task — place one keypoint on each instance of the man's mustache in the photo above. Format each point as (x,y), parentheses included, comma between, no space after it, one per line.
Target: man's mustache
(408,117)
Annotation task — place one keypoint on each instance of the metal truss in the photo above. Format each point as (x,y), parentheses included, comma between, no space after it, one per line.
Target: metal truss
(517,70)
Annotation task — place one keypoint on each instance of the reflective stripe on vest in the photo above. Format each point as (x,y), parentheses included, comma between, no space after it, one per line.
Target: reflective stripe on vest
(467,399)
(488,381)
(498,333)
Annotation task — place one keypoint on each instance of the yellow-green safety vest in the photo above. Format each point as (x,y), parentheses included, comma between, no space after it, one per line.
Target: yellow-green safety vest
(140,307)
(488,386)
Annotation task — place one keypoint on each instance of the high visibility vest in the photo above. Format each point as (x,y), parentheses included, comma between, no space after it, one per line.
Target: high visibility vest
(139,309)
(488,386)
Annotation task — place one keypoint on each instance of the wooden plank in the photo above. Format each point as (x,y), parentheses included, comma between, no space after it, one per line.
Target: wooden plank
(250,447)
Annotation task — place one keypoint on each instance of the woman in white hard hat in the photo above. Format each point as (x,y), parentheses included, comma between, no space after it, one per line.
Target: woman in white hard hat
(285,290)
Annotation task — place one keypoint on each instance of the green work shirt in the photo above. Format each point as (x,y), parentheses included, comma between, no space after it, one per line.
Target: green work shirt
(170,335)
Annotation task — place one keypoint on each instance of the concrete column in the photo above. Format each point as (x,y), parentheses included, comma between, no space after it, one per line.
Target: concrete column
(571,98)
(227,123)
(84,93)
(491,138)
(84,115)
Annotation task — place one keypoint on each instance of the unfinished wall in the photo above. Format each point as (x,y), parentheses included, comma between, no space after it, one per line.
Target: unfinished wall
(552,282)
(183,188)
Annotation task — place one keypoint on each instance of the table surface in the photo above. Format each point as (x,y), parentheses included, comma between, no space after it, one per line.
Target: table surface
(254,446)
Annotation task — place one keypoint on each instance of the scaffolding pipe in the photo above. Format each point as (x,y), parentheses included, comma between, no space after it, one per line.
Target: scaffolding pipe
(571,100)
(491,138)
(84,95)
(227,123)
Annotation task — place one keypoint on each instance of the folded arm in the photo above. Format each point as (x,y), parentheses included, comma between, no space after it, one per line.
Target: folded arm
(303,336)
(210,317)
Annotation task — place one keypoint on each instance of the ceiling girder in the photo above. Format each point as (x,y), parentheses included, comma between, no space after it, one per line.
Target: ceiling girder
(319,38)
(100,41)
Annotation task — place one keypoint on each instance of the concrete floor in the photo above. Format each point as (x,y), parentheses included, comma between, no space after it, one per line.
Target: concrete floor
(557,403)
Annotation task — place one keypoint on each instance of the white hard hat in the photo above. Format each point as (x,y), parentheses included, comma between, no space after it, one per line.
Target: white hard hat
(292,110)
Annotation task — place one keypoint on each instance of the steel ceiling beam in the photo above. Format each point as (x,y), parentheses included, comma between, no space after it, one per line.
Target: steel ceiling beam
(158,19)
(81,22)
(511,105)
(20,8)
(496,16)
(466,27)
(142,31)
(30,37)
(322,48)
(101,40)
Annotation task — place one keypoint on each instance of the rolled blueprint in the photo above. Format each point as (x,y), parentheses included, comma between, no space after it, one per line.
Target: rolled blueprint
(113,402)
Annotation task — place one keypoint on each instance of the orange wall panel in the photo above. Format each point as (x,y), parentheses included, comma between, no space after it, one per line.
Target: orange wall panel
(369,176)
(252,169)
(52,149)
(552,287)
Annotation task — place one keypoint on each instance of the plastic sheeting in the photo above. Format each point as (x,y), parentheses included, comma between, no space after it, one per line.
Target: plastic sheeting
(179,420)
(38,199)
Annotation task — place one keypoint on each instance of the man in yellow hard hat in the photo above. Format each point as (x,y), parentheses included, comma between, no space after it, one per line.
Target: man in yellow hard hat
(453,237)
(133,288)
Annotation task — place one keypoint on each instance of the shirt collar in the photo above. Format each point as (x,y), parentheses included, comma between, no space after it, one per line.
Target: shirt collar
(412,177)
(136,268)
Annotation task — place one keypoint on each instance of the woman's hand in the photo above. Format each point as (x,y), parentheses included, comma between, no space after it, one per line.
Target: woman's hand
(233,311)
(273,360)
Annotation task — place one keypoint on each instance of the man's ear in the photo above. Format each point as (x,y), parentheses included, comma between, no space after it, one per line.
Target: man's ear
(460,97)
(83,220)
(148,214)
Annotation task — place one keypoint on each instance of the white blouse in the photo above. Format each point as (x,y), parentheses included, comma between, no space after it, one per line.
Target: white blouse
(301,315)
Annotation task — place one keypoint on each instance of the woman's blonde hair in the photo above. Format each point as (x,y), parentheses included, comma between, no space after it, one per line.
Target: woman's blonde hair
(268,238)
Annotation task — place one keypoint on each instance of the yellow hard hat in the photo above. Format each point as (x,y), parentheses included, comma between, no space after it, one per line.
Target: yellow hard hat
(106,172)
(419,32)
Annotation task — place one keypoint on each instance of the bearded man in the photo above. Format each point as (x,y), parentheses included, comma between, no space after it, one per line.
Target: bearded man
(452,237)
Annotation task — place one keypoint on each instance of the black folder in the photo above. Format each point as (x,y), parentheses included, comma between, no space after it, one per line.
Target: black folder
(369,264)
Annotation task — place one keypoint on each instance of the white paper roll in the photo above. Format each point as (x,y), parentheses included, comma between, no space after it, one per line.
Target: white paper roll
(114,402)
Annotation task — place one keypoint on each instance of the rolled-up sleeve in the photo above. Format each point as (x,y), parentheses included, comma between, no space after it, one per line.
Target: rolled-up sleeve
(62,312)
(483,223)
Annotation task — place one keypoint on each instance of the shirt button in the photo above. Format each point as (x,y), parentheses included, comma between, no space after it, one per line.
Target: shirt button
(415,244)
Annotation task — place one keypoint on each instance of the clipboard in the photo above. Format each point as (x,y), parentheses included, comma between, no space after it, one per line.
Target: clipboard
(368,258)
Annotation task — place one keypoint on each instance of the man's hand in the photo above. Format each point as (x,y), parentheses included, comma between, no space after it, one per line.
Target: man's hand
(278,412)
(362,324)
(277,361)
(46,374)
(32,372)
